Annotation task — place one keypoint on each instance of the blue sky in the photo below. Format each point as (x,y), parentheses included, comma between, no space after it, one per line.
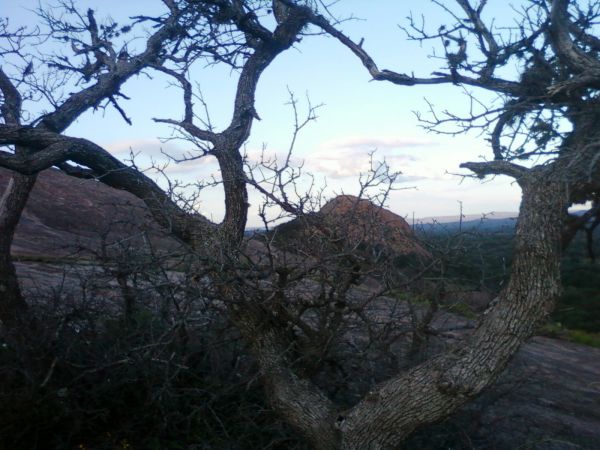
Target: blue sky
(358,116)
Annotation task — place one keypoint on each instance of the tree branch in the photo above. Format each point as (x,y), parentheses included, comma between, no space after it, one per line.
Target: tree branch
(109,83)
(431,390)
(482,169)
(192,229)
(11,106)
(562,43)
(495,84)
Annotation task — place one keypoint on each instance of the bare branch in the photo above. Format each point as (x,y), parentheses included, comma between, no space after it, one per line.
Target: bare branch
(481,169)
(11,101)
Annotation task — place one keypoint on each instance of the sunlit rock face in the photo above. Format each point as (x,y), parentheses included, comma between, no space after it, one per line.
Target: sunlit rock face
(347,223)
(363,221)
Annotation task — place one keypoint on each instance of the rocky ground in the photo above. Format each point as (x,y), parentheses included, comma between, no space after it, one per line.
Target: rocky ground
(549,397)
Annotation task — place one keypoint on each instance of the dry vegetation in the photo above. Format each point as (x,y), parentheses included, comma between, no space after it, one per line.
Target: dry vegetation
(335,328)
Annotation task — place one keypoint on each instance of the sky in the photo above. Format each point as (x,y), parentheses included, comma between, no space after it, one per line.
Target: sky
(358,116)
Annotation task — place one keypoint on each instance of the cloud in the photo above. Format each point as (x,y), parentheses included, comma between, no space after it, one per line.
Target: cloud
(202,166)
(268,157)
(381,143)
(150,148)
(348,157)
(153,151)
(351,163)
(336,159)
(338,164)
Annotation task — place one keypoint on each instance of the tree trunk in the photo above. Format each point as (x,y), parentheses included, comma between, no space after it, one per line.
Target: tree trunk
(236,196)
(12,203)
(301,404)
(435,389)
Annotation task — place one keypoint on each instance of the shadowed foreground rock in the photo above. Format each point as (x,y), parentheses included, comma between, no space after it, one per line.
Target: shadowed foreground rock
(548,399)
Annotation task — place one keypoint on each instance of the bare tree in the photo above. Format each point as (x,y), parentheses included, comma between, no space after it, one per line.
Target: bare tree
(558,85)
(546,113)
(236,35)
(95,63)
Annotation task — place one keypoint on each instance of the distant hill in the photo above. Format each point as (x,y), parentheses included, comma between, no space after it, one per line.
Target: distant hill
(494,221)
(497,221)
(495,215)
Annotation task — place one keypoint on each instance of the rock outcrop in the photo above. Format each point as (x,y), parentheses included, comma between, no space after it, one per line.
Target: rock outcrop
(547,399)
(353,223)
(66,216)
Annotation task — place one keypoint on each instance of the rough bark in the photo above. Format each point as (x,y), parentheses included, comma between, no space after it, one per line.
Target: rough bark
(297,399)
(236,195)
(12,203)
(433,390)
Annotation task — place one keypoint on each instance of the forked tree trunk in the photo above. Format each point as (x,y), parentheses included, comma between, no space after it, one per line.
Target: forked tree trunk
(12,204)
(438,387)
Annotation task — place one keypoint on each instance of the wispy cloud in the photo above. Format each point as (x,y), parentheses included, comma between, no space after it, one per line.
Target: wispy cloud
(380,143)
(348,157)
(202,166)
(272,158)
(350,162)
(147,152)
(148,148)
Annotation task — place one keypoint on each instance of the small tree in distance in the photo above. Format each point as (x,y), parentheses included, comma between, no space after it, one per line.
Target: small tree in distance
(555,44)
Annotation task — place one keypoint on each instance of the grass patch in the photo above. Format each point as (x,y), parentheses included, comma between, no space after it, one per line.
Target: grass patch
(557,330)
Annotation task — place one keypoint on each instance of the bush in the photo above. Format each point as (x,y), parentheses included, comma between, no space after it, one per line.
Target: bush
(77,380)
